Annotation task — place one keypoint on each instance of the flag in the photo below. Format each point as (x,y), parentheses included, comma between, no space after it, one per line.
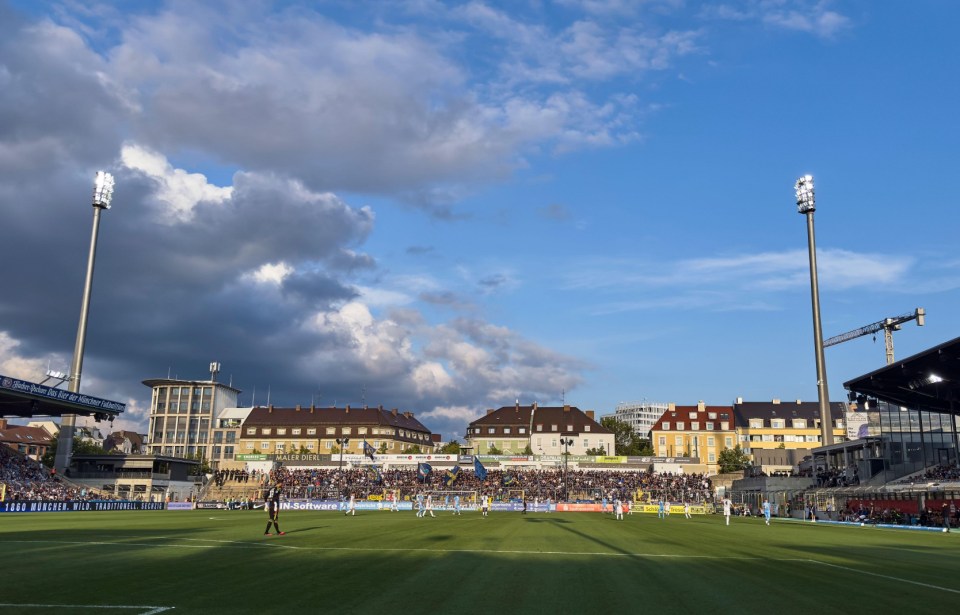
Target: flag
(423,471)
(509,479)
(368,450)
(478,469)
(374,474)
(452,475)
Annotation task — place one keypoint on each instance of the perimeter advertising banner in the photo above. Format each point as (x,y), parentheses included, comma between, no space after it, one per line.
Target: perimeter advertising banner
(857,425)
(99,505)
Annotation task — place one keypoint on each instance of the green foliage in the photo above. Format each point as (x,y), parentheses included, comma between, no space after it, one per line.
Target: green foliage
(412,450)
(493,450)
(626,441)
(595,451)
(732,459)
(527,450)
(383,448)
(451,448)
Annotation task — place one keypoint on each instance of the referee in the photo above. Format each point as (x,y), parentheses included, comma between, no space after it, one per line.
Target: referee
(272,505)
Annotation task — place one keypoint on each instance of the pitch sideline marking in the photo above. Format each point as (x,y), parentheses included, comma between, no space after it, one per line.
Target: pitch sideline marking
(885,576)
(153,609)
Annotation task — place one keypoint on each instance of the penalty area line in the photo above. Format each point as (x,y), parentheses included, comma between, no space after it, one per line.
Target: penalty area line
(884,576)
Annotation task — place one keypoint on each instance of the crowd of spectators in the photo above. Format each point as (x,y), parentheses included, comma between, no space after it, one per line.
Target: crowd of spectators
(28,480)
(583,485)
(221,477)
(940,473)
(836,477)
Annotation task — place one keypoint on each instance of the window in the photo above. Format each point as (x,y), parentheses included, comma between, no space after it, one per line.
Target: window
(491,430)
(586,428)
(249,446)
(361,430)
(569,427)
(663,440)
(280,446)
(231,437)
(265,431)
(813,438)
(681,425)
(756,423)
(265,445)
(539,427)
(540,442)
(695,426)
(666,426)
(217,437)
(710,441)
(282,431)
(329,445)
(712,457)
(678,441)
(839,423)
(725,425)
(711,415)
(476,430)
(710,426)
(553,443)
(311,431)
(693,415)
(522,430)
(345,431)
(778,423)
(728,442)
(553,428)
(310,445)
(331,430)
(506,430)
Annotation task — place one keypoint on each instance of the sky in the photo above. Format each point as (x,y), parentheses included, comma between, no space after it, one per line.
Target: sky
(445,207)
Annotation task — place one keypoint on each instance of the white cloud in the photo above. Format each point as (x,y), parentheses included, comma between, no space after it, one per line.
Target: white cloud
(270,273)
(16,365)
(179,190)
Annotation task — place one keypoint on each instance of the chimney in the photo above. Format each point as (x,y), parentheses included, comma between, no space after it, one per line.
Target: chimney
(394,412)
(739,400)
(3,423)
(517,407)
(671,406)
(347,409)
(799,402)
(409,415)
(566,407)
(490,411)
(701,406)
(535,406)
(589,414)
(312,408)
(270,409)
(776,402)
(380,407)
(298,407)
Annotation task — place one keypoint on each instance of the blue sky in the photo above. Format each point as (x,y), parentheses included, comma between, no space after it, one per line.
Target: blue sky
(445,207)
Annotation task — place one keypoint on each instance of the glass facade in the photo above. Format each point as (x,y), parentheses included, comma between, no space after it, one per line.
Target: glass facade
(913,439)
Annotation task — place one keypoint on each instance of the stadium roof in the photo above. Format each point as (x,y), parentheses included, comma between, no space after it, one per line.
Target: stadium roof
(21,398)
(929,380)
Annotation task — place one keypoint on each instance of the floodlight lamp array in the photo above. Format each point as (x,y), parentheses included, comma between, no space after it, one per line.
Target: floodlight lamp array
(805,197)
(102,190)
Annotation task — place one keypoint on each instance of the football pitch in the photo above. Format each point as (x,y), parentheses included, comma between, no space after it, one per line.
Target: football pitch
(214,561)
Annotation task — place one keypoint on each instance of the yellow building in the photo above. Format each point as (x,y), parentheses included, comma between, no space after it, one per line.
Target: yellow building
(699,431)
(784,425)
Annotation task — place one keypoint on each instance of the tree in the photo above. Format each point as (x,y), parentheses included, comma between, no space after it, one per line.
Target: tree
(622,434)
(732,460)
(411,450)
(383,448)
(527,450)
(644,446)
(595,451)
(493,450)
(451,448)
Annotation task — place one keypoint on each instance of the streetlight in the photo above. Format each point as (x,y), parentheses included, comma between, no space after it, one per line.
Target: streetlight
(342,443)
(565,442)
(806,205)
(102,195)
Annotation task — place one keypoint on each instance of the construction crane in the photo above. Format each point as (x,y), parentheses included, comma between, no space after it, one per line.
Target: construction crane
(887,325)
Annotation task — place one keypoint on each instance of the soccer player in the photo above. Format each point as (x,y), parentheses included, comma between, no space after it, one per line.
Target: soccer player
(686,510)
(456,504)
(766,511)
(604,509)
(629,505)
(618,509)
(660,509)
(727,505)
(429,508)
(420,509)
(273,509)
(395,502)
(485,504)
(351,507)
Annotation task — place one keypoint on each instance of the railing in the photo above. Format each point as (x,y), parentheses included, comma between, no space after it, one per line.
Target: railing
(143,475)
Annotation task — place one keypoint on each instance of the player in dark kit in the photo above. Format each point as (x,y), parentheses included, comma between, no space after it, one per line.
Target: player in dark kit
(272,505)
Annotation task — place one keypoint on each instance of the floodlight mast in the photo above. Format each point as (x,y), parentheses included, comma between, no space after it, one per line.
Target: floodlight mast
(102,196)
(806,205)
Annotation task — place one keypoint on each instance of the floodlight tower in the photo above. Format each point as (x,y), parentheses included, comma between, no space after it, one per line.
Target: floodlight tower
(806,205)
(102,195)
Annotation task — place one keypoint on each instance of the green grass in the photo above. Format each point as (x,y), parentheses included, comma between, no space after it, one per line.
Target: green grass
(220,562)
